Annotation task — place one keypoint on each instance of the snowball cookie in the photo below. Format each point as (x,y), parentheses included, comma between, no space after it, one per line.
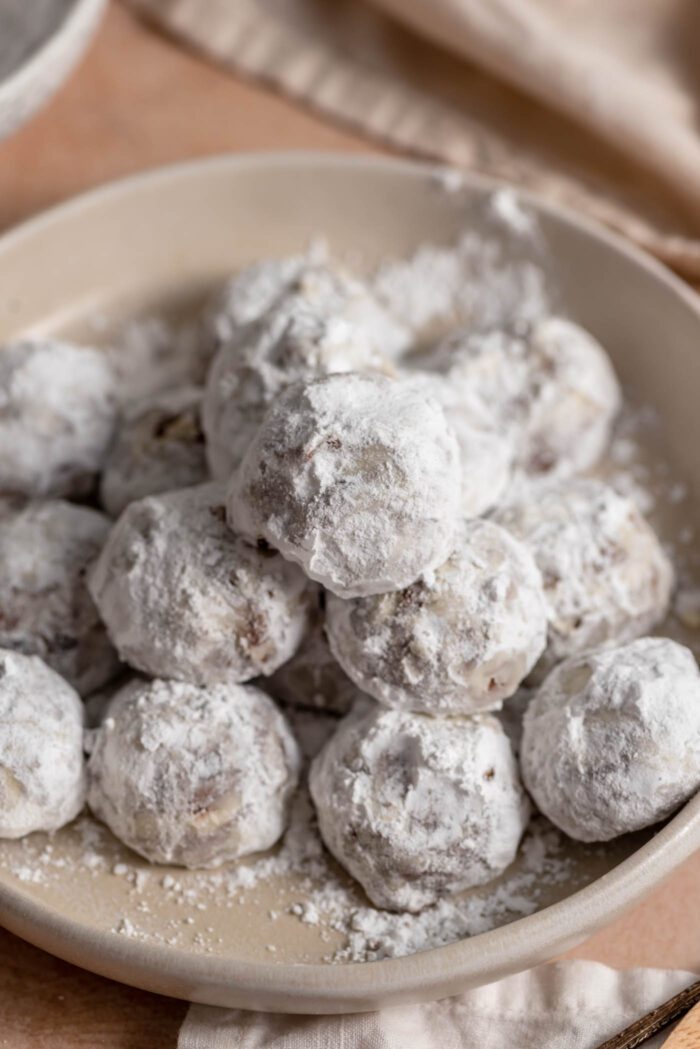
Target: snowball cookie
(611,742)
(152,354)
(604,572)
(486,456)
(354,477)
(159,447)
(455,642)
(553,389)
(326,322)
(184,598)
(313,677)
(58,406)
(190,775)
(247,295)
(415,807)
(46,548)
(42,771)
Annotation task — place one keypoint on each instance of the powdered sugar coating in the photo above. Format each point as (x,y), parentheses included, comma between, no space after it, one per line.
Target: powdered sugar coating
(574,398)
(324,322)
(184,598)
(486,456)
(605,574)
(58,405)
(416,807)
(42,770)
(46,548)
(193,776)
(354,477)
(247,295)
(456,642)
(551,386)
(611,742)
(159,447)
(313,677)
(153,354)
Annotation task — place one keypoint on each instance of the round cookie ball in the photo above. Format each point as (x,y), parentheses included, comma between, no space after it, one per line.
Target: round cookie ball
(326,322)
(611,742)
(354,477)
(193,776)
(159,447)
(415,807)
(313,678)
(551,388)
(573,399)
(247,295)
(456,642)
(185,598)
(42,770)
(486,456)
(46,548)
(605,574)
(58,406)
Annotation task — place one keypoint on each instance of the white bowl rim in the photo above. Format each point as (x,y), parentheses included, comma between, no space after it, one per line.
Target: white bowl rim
(429,974)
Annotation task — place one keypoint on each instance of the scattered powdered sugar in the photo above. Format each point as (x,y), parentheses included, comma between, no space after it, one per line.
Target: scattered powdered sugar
(508,207)
(310,889)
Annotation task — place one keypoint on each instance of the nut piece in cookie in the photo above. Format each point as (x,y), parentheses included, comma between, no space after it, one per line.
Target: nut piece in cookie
(159,447)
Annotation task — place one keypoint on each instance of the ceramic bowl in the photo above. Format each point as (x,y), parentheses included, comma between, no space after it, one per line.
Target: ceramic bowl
(169,236)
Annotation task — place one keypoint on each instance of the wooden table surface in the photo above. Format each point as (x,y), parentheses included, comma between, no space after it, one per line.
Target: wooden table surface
(136,102)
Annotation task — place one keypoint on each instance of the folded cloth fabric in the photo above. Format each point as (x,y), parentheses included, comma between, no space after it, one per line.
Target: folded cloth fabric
(563,1005)
(594,104)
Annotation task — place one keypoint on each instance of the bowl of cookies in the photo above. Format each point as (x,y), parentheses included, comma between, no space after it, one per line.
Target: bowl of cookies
(350,585)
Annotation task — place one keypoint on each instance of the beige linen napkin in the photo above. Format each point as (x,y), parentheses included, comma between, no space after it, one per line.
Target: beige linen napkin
(595,104)
(565,1005)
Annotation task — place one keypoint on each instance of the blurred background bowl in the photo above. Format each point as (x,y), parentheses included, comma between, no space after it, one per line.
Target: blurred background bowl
(41,42)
